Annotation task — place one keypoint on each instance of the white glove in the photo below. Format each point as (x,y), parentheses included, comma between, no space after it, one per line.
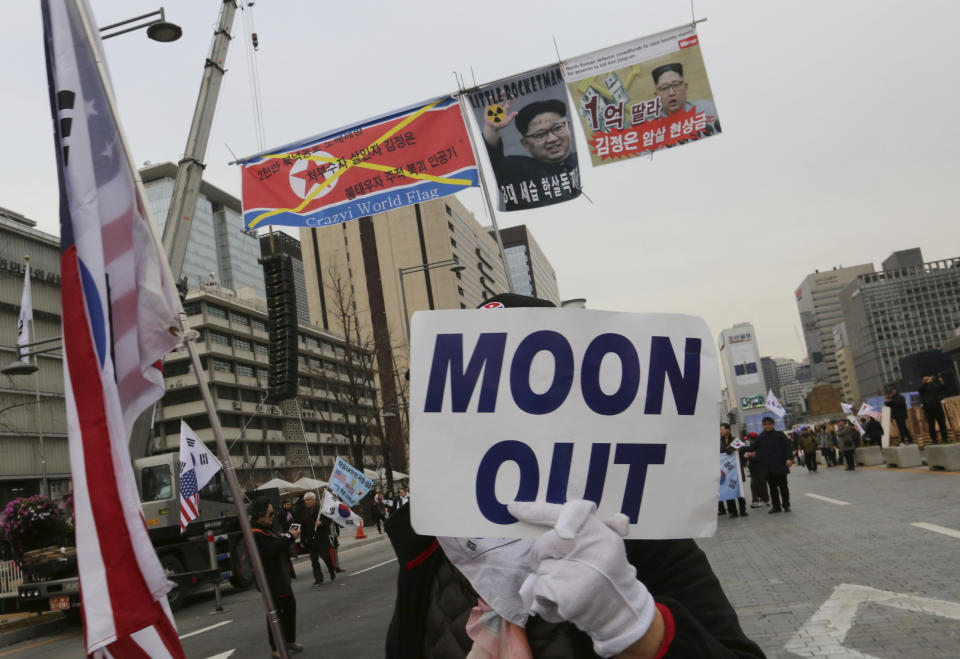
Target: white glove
(581,575)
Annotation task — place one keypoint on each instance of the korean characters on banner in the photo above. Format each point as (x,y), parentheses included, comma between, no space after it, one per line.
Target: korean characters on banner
(644,95)
(404,157)
(527,132)
(550,405)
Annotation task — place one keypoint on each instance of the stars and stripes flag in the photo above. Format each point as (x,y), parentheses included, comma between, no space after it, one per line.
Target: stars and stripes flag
(867,410)
(197,467)
(120,309)
(26,317)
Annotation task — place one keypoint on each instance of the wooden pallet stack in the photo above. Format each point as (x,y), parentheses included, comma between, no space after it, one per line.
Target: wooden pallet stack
(917,423)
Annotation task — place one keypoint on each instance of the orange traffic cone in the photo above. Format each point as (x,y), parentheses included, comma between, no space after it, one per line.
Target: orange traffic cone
(360,534)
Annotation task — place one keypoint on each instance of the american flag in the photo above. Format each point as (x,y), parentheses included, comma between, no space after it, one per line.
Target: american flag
(119,309)
(189,498)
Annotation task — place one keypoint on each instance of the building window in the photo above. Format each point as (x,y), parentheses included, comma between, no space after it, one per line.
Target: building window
(263,374)
(259,325)
(245,370)
(219,338)
(216,312)
(242,344)
(192,308)
(261,350)
(239,318)
(222,366)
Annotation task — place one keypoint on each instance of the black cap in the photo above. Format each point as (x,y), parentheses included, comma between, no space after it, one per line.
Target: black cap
(531,110)
(676,67)
(505,300)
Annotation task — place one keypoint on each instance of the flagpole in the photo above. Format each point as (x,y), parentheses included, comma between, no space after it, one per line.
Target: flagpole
(189,336)
(483,188)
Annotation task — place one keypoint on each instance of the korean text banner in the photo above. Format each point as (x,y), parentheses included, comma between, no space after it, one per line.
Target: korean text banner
(348,482)
(527,134)
(643,95)
(553,405)
(405,157)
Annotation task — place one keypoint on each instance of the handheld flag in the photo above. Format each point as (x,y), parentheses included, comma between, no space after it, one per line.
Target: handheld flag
(119,309)
(338,511)
(774,405)
(348,482)
(847,408)
(26,317)
(737,443)
(197,467)
(866,410)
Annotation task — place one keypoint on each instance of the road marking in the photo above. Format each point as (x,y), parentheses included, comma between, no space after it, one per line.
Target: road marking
(34,645)
(827,499)
(222,655)
(206,629)
(824,632)
(953,533)
(373,567)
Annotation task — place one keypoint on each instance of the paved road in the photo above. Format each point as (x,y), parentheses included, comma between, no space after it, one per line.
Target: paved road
(347,617)
(850,549)
(867,565)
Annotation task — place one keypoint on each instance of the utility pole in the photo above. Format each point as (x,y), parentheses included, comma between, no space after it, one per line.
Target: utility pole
(186,187)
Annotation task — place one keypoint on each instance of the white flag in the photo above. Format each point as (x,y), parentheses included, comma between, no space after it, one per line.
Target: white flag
(195,455)
(338,511)
(26,318)
(866,410)
(774,405)
(847,408)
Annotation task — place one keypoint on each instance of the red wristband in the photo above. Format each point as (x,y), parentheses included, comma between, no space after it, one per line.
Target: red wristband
(669,630)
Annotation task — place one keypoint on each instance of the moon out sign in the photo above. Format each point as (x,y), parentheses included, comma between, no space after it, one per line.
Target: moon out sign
(550,405)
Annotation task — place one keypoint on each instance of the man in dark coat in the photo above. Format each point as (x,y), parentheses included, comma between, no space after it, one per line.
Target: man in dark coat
(932,392)
(315,537)
(898,412)
(275,557)
(872,431)
(759,494)
(775,451)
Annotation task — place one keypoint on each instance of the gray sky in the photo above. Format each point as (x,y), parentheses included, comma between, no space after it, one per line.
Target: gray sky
(836,145)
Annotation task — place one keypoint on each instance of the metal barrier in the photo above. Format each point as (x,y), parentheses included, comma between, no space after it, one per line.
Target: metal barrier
(10,577)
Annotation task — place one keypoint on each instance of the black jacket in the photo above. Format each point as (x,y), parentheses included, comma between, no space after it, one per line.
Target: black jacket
(312,536)
(774,449)
(275,557)
(931,393)
(874,430)
(434,601)
(898,406)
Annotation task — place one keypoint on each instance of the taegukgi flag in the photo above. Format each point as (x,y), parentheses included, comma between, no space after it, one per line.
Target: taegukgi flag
(528,136)
(197,466)
(643,95)
(120,314)
(26,317)
(731,485)
(338,511)
(404,157)
(774,405)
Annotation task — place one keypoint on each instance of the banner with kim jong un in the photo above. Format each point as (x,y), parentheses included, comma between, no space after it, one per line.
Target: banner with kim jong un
(528,136)
(643,95)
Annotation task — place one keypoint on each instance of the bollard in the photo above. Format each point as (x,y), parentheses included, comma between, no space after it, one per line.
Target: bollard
(212,549)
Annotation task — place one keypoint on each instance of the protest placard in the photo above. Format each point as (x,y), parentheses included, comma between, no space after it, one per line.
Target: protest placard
(349,483)
(550,405)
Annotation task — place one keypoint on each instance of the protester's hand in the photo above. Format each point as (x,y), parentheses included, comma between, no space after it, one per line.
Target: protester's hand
(492,128)
(789,463)
(581,574)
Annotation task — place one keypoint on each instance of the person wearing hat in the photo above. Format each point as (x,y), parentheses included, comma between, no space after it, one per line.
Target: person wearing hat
(578,591)
(545,133)
(672,90)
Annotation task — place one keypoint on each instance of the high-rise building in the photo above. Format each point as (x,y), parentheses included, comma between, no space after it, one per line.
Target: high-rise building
(25,426)
(908,307)
(286,439)
(849,387)
(740,357)
(768,366)
(530,270)
(219,244)
(279,242)
(818,301)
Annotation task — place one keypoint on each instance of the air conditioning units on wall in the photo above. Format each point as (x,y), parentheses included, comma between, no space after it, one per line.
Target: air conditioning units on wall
(237,405)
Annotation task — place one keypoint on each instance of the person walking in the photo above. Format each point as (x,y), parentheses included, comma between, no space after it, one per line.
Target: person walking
(825,441)
(759,495)
(275,557)
(379,511)
(775,451)
(315,537)
(726,439)
(847,436)
(898,412)
(932,393)
(808,441)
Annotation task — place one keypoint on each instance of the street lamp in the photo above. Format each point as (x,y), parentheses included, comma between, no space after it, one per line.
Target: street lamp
(20,367)
(158,29)
(454,265)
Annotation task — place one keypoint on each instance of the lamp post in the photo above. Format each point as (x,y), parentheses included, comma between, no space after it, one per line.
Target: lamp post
(158,29)
(20,367)
(454,265)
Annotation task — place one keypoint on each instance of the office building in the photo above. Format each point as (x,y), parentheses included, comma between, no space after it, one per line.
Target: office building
(279,242)
(530,270)
(849,387)
(219,250)
(25,426)
(268,440)
(908,307)
(740,357)
(768,366)
(818,301)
